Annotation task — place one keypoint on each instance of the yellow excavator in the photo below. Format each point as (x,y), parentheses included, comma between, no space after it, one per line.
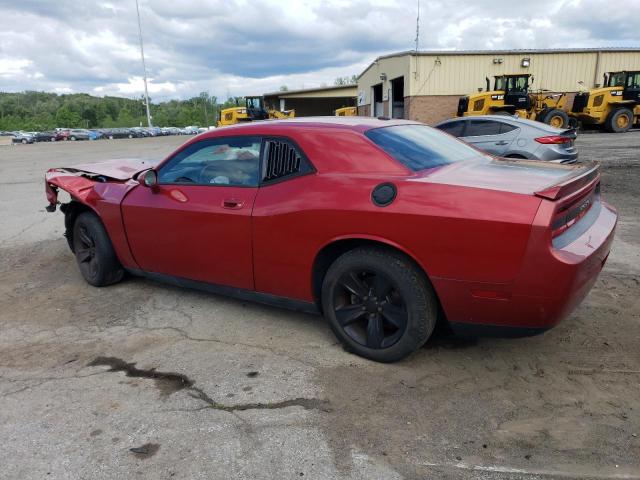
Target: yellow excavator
(254,110)
(511,96)
(615,106)
(346,112)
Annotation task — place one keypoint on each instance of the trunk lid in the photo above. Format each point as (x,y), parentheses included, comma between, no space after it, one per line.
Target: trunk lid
(528,177)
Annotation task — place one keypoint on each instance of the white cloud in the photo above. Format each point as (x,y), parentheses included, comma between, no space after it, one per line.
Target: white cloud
(242,47)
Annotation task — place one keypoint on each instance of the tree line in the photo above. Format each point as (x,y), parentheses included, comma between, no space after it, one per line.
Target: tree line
(40,111)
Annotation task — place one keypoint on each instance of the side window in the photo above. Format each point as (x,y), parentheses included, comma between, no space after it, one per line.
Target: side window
(233,161)
(478,128)
(505,127)
(453,128)
(282,159)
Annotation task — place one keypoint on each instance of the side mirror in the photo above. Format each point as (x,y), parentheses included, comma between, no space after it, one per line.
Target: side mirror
(149,179)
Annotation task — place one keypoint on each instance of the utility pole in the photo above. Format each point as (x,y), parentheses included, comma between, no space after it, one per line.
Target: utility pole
(144,68)
(417,27)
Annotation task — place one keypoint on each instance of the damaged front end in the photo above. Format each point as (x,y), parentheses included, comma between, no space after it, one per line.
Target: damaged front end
(79,181)
(99,188)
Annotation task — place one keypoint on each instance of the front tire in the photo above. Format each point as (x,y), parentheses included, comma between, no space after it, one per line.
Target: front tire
(379,304)
(557,118)
(94,253)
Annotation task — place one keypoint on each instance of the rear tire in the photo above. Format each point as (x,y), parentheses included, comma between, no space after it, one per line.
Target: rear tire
(557,118)
(619,121)
(94,253)
(379,304)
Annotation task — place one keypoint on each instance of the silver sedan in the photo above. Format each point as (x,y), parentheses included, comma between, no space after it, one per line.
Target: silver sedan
(514,137)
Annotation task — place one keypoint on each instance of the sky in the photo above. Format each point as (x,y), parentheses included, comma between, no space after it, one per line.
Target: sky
(241,47)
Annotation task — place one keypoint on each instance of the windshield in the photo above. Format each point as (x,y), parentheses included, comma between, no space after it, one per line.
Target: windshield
(517,84)
(254,102)
(633,80)
(419,147)
(616,79)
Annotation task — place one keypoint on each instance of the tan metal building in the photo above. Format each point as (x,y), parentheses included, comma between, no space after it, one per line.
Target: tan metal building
(426,86)
(313,101)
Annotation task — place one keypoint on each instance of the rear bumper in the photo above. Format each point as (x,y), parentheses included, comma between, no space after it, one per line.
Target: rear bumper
(550,284)
(559,155)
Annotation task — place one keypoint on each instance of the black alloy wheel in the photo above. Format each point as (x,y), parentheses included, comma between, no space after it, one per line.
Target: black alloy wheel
(369,308)
(95,256)
(85,248)
(379,303)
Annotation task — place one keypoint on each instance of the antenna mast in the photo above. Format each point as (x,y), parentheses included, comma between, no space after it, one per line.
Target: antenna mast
(418,27)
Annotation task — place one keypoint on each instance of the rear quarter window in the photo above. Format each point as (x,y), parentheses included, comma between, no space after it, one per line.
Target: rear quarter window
(453,128)
(419,147)
(481,128)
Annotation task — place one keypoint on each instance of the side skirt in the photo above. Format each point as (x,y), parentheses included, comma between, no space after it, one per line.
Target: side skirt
(494,331)
(239,293)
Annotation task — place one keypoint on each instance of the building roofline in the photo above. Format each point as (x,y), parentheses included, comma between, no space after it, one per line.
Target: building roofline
(310,90)
(531,51)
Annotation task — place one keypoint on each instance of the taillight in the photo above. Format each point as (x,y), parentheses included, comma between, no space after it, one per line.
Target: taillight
(553,139)
(569,215)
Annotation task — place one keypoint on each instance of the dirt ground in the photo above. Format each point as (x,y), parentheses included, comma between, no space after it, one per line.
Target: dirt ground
(144,380)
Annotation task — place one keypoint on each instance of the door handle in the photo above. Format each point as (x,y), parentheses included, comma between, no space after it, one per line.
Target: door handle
(232,203)
(501,142)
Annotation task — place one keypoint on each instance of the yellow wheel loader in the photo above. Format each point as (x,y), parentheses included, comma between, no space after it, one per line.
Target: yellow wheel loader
(511,96)
(615,106)
(346,112)
(254,110)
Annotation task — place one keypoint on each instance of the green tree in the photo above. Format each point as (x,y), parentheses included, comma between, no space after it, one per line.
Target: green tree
(340,81)
(66,118)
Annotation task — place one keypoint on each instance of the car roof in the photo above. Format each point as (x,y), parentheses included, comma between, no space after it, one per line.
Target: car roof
(360,124)
(511,119)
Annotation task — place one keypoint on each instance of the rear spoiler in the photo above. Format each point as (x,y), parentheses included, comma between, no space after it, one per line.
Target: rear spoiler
(583,176)
(571,132)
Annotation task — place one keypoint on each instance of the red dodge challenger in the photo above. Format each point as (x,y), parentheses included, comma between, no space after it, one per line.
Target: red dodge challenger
(384,226)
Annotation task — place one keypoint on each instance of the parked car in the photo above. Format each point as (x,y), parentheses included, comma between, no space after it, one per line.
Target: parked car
(170,131)
(62,134)
(112,133)
(24,137)
(79,134)
(379,224)
(514,137)
(192,130)
(95,134)
(139,132)
(45,137)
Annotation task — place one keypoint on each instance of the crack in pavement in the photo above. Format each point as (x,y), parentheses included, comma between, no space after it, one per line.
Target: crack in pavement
(170,382)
